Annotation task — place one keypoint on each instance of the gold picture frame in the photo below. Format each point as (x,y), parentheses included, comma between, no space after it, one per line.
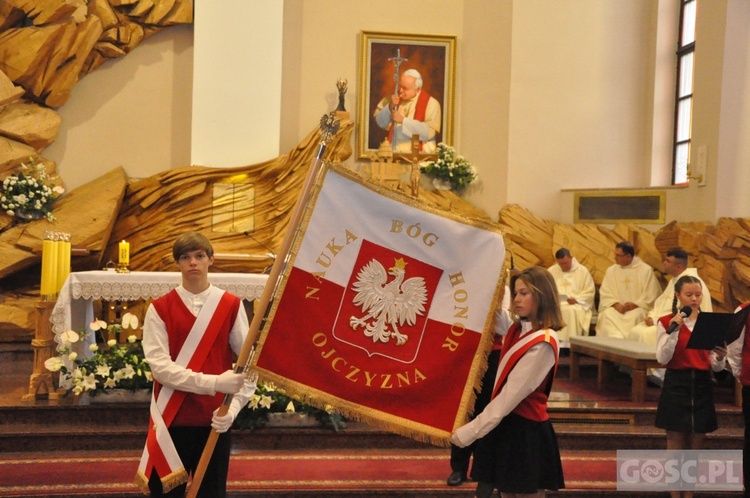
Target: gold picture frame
(434,56)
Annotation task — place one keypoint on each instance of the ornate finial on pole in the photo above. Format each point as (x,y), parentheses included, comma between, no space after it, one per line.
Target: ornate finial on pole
(329,126)
(341,84)
(397,63)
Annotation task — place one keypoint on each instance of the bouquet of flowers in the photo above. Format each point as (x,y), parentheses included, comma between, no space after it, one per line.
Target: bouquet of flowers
(449,171)
(268,398)
(111,366)
(30,193)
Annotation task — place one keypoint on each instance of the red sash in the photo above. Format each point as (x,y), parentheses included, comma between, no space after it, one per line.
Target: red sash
(419,113)
(159,453)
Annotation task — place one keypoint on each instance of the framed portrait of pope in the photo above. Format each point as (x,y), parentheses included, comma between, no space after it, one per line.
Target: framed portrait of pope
(406,89)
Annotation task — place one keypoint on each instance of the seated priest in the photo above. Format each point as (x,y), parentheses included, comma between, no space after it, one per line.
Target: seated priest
(628,291)
(675,265)
(576,289)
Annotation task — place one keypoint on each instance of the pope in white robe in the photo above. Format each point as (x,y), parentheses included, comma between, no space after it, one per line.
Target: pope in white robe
(622,285)
(576,288)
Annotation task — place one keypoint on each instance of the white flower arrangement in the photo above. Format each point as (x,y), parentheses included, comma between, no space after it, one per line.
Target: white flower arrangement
(111,366)
(450,171)
(29,193)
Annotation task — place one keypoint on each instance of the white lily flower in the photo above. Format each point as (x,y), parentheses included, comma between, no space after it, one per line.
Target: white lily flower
(54,364)
(103,370)
(129,321)
(69,337)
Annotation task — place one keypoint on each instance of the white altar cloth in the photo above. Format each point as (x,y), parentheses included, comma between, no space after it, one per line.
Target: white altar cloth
(74,309)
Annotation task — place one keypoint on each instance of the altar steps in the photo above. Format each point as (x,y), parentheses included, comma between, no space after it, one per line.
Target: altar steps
(33,431)
(106,426)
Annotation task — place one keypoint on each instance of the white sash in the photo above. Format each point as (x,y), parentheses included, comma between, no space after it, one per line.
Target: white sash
(519,345)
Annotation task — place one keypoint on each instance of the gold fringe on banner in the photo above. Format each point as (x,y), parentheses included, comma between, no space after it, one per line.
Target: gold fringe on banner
(168,483)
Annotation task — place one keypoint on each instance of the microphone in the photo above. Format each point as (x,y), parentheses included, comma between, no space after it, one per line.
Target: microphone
(269,253)
(685,312)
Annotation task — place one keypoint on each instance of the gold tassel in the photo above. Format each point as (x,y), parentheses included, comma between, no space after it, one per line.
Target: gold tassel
(167,483)
(173,480)
(142,482)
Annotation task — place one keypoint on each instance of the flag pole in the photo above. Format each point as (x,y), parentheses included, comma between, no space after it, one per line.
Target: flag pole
(329,126)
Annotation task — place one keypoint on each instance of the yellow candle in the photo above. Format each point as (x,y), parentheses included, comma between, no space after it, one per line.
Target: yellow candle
(49,267)
(124,253)
(63,260)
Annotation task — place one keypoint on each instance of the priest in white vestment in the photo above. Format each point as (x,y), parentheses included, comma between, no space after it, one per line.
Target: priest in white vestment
(576,289)
(627,293)
(676,265)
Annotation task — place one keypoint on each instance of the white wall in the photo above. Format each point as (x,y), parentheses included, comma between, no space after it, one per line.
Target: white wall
(579,99)
(236,82)
(733,160)
(132,112)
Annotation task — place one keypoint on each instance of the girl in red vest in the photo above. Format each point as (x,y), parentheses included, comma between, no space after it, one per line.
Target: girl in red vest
(517,450)
(686,405)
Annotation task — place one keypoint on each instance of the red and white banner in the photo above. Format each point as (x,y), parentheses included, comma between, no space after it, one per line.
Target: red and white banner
(384,308)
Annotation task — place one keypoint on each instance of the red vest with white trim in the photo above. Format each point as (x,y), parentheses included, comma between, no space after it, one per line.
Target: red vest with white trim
(196,409)
(684,358)
(534,406)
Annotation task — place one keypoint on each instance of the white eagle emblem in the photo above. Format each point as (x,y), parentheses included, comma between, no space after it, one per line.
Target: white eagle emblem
(389,305)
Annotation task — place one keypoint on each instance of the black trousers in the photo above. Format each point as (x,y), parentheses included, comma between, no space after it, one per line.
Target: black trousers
(189,442)
(746,447)
(460,457)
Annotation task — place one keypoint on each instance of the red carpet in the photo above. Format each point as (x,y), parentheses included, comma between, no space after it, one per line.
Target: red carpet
(278,471)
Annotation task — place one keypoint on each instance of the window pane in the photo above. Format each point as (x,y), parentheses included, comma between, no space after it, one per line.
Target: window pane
(688,23)
(680,163)
(683,119)
(686,74)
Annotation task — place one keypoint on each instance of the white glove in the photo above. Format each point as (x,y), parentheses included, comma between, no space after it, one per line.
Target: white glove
(222,423)
(229,382)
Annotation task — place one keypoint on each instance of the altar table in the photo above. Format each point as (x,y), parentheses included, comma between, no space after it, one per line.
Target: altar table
(74,309)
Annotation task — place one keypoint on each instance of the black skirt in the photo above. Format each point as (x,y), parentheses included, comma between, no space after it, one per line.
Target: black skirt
(519,456)
(686,403)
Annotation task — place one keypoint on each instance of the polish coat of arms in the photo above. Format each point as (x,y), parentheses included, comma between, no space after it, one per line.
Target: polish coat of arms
(387,305)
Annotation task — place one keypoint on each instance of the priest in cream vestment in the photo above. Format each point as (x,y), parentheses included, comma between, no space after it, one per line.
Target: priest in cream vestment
(627,293)
(675,264)
(576,288)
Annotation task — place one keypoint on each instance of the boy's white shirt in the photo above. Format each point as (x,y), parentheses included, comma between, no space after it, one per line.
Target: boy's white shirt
(169,373)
